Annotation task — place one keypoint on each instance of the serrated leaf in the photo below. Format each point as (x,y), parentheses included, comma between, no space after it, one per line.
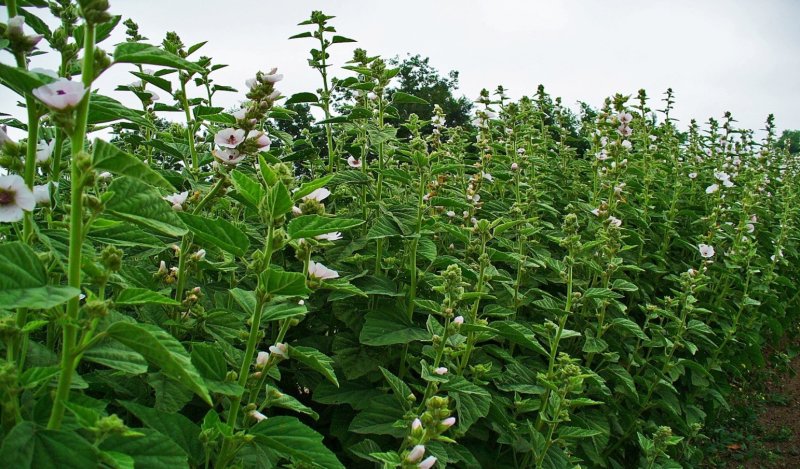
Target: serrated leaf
(217,232)
(315,360)
(291,438)
(139,203)
(404,98)
(390,328)
(143,296)
(23,280)
(141,53)
(160,348)
(308,226)
(30,446)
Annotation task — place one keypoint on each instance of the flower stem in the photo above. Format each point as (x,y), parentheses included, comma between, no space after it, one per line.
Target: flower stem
(70,330)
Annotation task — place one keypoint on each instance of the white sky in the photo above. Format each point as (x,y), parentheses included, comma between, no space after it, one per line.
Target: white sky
(734,55)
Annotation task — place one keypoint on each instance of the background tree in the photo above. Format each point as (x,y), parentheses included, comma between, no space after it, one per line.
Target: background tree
(791,140)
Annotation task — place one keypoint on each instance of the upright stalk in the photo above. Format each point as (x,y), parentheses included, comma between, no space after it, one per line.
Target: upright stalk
(70,329)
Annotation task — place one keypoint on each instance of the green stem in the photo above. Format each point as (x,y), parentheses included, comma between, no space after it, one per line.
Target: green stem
(189,126)
(70,331)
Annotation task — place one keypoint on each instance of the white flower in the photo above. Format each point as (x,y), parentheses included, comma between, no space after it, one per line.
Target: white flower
(476,198)
(427,463)
(279,349)
(727,183)
(449,422)
(261,359)
(722,175)
(319,271)
(228,155)
(624,117)
(318,194)
(615,222)
(296,210)
(753,219)
(61,95)
(416,424)
(450,213)
(487,176)
(751,227)
(177,199)
(15,26)
(104,175)
(257,415)
(596,212)
(712,188)
(335,236)
(42,193)
(229,138)
(199,255)
(625,131)
(272,76)
(692,175)
(4,138)
(416,453)
(15,198)
(458,320)
(261,139)
(240,114)
(44,150)
(440,371)
(514,166)
(602,155)
(706,250)
(353,162)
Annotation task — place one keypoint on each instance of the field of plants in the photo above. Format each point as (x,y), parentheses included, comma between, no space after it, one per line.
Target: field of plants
(184,285)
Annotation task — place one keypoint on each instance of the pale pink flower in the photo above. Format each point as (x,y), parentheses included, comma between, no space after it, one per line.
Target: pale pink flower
(416,424)
(416,453)
(15,198)
(15,26)
(449,422)
(272,76)
(712,188)
(256,415)
(624,117)
(625,131)
(628,145)
(458,320)
(228,155)
(335,236)
(751,227)
(706,250)
(596,212)
(261,359)
(61,95)
(487,176)
(42,194)
(105,175)
(318,194)
(450,213)
(177,199)
(279,349)
(514,166)
(229,138)
(615,222)
(353,162)
(440,371)
(692,175)
(240,114)
(199,255)
(427,463)
(319,271)
(261,139)
(296,210)
(4,138)
(727,183)
(44,149)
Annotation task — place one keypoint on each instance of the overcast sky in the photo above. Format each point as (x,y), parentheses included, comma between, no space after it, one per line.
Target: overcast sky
(735,55)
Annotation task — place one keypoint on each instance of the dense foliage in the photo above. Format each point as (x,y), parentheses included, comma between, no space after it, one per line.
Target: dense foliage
(532,289)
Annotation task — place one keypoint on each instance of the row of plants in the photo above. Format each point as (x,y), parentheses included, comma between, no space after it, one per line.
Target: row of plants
(538,289)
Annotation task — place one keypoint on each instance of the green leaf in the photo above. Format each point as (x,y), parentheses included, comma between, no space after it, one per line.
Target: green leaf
(282,311)
(285,401)
(341,39)
(601,293)
(315,360)
(117,356)
(302,98)
(404,98)
(280,282)
(143,296)
(107,157)
(248,188)
(103,109)
(279,201)
(311,186)
(149,449)
(308,226)
(141,53)
(34,376)
(399,387)
(23,280)
(389,328)
(245,298)
(289,437)
(176,427)
(520,335)
(30,446)
(158,82)
(472,401)
(138,203)
(629,326)
(22,81)
(217,232)
(163,350)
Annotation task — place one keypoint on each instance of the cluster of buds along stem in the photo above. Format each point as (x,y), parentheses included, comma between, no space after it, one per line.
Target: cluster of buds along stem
(19,42)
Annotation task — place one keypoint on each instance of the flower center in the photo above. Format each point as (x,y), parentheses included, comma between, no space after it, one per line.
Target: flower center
(232,139)
(6,197)
(61,92)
